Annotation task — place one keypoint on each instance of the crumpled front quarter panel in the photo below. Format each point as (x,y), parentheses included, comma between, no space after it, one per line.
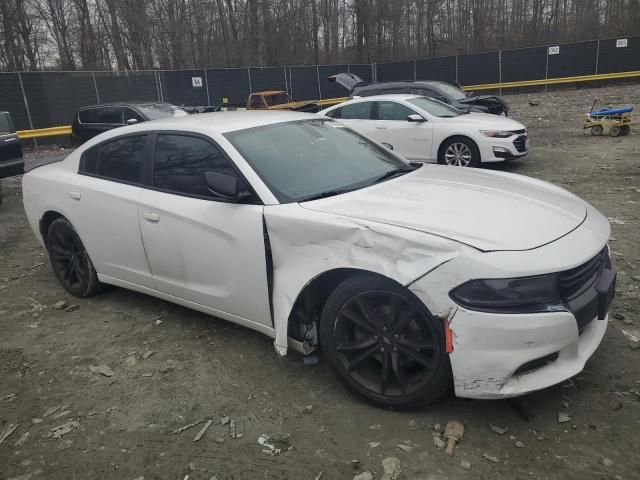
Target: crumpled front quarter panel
(305,244)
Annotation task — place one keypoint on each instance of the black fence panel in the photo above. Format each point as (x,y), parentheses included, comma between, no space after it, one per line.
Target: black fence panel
(331,89)
(11,100)
(267,78)
(437,68)
(395,71)
(573,59)
(303,83)
(362,70)
(524,64)
(183,87)
(615,57)
(127,86)
(478,68)
(54,97)
(232,83)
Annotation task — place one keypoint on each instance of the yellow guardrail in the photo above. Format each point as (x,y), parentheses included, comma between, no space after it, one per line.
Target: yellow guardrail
(44,132)
(554,81)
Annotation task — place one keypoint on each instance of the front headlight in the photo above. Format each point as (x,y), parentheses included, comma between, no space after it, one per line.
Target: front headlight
(496,133)
(510,295)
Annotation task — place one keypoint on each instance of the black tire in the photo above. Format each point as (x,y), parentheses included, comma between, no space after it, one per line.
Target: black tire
(454,143)
(615,131)
(626,130)
(596,130)
(394,356)
(69,259)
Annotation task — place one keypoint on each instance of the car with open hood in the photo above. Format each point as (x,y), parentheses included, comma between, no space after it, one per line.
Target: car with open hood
(411,280)
(443,91)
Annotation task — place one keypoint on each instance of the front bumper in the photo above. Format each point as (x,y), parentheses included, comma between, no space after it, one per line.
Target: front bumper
(503,149)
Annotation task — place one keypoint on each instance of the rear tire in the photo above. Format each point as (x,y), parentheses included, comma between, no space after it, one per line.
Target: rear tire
(384,344)
(69,259)
(626,130)
(615,131)
(460,152)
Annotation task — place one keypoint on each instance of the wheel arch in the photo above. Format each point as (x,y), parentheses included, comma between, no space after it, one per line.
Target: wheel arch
(451,137)
(45,222)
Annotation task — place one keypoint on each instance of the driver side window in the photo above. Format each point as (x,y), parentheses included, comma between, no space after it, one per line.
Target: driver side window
(180,162)
(393,111)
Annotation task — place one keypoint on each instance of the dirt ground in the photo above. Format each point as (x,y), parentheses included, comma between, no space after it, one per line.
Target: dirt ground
(200,367)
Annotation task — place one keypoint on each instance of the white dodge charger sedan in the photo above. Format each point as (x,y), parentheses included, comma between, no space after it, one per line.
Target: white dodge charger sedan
(411,280)
(422,129)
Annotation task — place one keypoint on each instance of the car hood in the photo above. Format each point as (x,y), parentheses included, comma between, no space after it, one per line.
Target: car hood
(486,121)
(486,210)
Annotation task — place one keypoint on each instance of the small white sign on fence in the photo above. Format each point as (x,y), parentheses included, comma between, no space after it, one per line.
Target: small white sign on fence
(555,50)
(196,82)
(621,43)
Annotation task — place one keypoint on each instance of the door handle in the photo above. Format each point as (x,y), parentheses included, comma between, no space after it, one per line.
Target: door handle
(151,217)
(75,195)
(381,128)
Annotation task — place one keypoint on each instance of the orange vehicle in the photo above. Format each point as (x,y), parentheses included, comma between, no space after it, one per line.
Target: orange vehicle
(279,100)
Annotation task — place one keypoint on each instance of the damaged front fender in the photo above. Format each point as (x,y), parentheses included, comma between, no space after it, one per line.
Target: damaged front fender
(306,244)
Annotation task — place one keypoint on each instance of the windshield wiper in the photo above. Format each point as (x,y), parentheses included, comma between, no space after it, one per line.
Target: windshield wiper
(328,193)
(393,173)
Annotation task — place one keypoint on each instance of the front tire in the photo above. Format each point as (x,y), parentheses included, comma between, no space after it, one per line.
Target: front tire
(460,152)
(69,259)
(384,344)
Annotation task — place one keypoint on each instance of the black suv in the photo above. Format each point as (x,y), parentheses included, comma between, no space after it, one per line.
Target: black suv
(443,91)
(93,120)
(11,162)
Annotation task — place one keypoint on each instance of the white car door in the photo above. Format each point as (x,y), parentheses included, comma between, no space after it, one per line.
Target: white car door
(104,208)
(200,248)
(412,140)
(356,115)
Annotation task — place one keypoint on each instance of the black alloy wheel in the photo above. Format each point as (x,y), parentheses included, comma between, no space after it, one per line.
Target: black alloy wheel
(384,344)
(69,259)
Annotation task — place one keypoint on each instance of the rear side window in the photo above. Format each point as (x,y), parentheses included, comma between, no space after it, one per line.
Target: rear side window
(180,162)
(111,115)
(356,111)
(393,111)
(121,160)
(88,116)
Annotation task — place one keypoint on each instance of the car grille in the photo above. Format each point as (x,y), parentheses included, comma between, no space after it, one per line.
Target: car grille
(519,132)
(575,281)
(520,143)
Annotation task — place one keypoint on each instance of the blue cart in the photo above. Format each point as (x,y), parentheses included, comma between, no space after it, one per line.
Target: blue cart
(616,119)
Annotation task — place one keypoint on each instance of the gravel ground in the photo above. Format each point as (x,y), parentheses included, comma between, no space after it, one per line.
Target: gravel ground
(168,367)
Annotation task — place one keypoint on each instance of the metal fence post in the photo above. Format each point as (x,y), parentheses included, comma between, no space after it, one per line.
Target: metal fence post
(206,85)
(500,70)
(457,70)
(26,106)
(156,74)
(286,84)
(249,77)
(95,86)
(318,77)
(546,70)
(374,73)
(415,69)
(597,56)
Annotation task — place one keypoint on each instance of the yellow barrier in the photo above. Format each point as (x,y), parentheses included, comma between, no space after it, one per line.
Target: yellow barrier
(554,81)
(44,132)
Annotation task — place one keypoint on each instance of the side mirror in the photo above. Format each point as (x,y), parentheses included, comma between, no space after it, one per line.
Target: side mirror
(225,186)
(415,118)
(387,145)
(132,121)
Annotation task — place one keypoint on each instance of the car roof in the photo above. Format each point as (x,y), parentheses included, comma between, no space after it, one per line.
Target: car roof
(222,122)
(371,86)
(126,104)
(389,96)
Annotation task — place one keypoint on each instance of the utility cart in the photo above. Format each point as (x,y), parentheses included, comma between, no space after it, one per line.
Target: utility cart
(616,119)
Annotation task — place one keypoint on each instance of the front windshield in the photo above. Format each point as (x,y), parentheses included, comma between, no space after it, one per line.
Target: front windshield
(277,99)
(154,111)
(308,159)
(452,92)
(435,107)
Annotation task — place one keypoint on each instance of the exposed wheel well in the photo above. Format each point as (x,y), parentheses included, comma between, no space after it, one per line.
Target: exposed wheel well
(307,309)
(441,147)
(46,221)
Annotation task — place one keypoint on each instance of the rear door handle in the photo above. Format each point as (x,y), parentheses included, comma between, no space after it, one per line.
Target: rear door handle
(151,217)
(382,127)
(75,195)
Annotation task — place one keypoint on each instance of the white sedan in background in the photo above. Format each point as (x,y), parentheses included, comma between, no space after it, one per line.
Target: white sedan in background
(410,279)
(422,129)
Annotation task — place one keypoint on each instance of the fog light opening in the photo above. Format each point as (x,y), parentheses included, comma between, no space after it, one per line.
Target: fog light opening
(536,364)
